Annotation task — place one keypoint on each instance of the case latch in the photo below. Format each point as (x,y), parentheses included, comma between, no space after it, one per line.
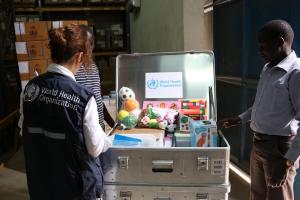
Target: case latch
(202,196)
(123,162)
(125,195)
(202,163)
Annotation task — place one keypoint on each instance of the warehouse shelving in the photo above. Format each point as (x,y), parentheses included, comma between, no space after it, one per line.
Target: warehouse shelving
(70,9)
(97,14)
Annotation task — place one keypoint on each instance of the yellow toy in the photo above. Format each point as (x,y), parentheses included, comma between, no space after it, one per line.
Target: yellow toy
(122,114)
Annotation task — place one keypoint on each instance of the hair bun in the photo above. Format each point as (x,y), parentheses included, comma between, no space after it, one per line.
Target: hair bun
(65,42)
(57,36)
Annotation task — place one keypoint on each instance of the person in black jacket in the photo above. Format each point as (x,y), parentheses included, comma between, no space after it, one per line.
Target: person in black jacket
(61,133)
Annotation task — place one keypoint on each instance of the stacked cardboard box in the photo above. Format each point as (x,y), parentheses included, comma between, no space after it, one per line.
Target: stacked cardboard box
(117,36)
(109,37)
(28,18)
(100,42)
(32,48)
(58,24)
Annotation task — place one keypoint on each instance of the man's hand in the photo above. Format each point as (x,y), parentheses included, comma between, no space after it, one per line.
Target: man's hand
(229,122)
(278,172)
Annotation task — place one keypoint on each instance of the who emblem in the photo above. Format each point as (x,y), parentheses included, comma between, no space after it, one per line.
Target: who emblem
(152,84)
(31,92)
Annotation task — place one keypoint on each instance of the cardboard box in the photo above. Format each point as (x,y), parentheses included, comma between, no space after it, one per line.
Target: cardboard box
(157,133)
(59,24)
(24,76)
(27,68)
(117,41)
(204,133)
(23,70)
(30,31)
(116,29)
(99,32)
(100,44)
(83,22)
(184,123)
(32,50)
(46,49)
(182,139)
(37,66)
(49,61)
(20,18)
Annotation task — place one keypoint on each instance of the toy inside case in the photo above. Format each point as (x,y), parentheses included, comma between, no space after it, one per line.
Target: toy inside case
(130,110)
(180,81)
(185,121)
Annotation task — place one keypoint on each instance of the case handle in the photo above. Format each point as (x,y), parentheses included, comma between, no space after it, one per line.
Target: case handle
(162,166)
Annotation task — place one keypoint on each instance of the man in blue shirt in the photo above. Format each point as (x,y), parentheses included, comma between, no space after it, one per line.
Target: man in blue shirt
(274,116)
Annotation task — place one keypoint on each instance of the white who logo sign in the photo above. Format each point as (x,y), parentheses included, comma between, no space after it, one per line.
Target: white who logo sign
(160,85)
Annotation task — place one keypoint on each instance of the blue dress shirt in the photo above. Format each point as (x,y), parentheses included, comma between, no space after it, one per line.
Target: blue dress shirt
(276,109)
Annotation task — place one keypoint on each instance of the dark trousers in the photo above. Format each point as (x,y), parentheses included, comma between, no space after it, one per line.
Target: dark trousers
(266,150)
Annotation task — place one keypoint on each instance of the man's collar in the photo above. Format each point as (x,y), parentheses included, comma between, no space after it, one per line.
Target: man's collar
(287,62)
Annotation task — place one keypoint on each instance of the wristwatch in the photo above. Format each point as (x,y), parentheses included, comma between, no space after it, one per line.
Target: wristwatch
(289,163)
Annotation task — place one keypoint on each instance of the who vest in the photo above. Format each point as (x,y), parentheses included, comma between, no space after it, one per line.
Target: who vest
(58,165)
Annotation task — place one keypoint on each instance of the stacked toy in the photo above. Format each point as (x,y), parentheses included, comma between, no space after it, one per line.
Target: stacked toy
(192,108)
(130,109)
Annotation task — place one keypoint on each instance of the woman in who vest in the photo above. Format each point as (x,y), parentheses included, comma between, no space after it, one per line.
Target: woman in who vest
(61,133)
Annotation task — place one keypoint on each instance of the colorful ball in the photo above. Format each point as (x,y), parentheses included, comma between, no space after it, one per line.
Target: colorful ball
(153,123)
(122,114)
(126,93)
(131,104)
(130,121)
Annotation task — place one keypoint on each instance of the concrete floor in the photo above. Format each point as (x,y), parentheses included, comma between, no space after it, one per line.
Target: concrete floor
(13,181)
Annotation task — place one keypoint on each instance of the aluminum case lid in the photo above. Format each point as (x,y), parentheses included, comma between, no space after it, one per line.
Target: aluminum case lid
(197,68)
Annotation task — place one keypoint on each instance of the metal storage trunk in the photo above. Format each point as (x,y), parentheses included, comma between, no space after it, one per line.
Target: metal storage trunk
(129,192)
(180,172)
(168,166)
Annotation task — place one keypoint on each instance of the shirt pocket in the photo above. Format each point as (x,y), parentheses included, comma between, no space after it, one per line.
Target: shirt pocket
(280,98)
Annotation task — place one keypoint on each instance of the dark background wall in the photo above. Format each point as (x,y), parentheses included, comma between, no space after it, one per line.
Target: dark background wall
(9,82)
(238,63)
